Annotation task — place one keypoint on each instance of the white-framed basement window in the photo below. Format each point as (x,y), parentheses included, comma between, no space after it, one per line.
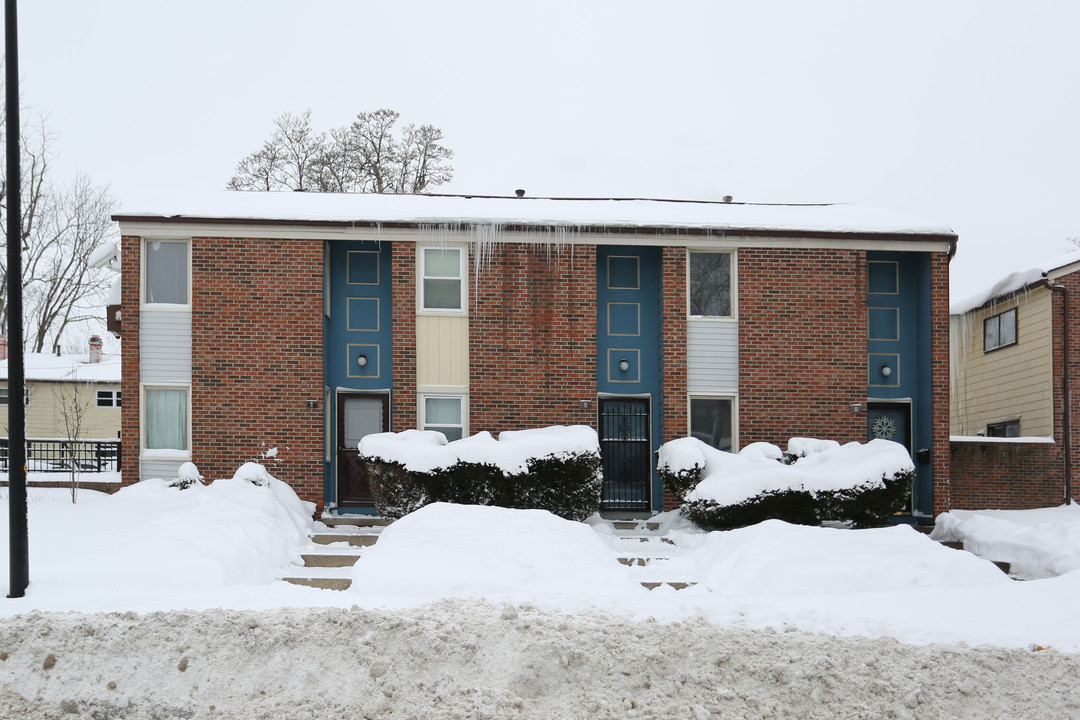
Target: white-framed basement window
(712,420)
(711,284)
(166,416)
(445,414)
(442,279)
(166,272)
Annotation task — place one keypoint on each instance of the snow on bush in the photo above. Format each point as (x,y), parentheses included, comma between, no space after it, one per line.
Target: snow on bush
(446,550)
(186,476)
(814,480)
(1036,543)
(553,468)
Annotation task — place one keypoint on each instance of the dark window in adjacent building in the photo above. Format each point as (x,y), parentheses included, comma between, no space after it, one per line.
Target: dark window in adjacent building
(999,331)
(108,398)
(1009,428)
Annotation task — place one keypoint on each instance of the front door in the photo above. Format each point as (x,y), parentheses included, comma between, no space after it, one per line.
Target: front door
(890,421)
(359,414)
(624,454)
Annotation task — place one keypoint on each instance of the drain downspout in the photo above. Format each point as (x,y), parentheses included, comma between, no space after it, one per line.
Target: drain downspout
(1066,421)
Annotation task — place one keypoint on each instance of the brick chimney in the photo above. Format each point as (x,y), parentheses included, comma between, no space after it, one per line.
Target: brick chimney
(3,347)
(95,349)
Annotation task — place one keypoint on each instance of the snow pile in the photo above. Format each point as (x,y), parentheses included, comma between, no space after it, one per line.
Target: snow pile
(445,550)
(428,450)
(822,465)
(1036,543)
(777,558)
(152,534)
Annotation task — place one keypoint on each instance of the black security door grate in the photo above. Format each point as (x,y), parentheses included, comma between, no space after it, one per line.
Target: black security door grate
(624,451)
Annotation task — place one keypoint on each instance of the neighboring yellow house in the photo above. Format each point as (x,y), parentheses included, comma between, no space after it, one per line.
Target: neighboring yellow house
(89,380)
(1002,355)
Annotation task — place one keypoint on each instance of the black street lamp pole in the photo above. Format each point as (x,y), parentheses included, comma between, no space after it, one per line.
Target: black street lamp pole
(19,538)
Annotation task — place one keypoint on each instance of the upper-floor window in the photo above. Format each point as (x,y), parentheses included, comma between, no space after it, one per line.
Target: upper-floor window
(999,330)
(108,398)
(710,284)
(166,266)
(442,285)
(1008,428)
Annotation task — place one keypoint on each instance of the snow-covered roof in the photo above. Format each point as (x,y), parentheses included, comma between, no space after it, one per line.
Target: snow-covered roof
(69,368)
(422,210)
(1018,280)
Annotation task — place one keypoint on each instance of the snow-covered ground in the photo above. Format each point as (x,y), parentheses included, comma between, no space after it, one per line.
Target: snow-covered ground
(156,602)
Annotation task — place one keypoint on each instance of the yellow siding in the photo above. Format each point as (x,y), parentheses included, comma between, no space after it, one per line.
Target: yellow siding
(442,350)
(1011,382)
(45,416)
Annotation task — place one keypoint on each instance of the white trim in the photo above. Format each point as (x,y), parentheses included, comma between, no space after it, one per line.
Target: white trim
(463,259)
(170,307)
(463,399)
(733,287)
(163,453)
(733,397)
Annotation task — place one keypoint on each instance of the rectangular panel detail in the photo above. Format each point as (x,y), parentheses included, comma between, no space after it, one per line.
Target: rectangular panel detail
(884,323)
(623,272)
(620,357)
(883,277)
(165,346)
(624,318)
(363,314)
(442,350)
(362,360)
(363,267)
(883,369)
(712,357)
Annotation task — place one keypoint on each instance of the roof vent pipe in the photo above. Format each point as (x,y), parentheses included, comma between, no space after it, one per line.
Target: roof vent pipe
(520,192)
(728,198)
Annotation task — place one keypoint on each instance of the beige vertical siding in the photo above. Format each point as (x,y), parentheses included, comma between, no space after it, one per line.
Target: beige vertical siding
(1011,382)
(442,350)
(45,416)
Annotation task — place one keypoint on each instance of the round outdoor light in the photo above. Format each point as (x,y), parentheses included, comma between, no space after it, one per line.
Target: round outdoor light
(886,370)
(624,365)
(362,361)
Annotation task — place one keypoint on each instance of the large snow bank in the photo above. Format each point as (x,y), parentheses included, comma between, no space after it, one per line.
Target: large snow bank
(446,550)
(1036,543)
(426,451)
(230,532)
(822,465)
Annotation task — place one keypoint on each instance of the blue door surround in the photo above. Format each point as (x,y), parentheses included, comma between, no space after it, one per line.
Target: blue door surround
(628,341)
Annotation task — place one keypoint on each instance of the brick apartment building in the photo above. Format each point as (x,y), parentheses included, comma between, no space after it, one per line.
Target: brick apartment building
(304,321)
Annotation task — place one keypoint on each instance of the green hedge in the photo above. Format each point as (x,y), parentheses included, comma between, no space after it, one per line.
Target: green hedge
(568,486)
(867,505)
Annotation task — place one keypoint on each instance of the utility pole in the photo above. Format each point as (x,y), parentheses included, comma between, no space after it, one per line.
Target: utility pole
(18,535)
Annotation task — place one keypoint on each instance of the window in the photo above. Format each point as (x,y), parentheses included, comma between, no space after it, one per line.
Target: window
(4,396)
(710,284)
(711,422)
(166,418)
(999,331)
(444,414)
(442,278)
(108,398)
(1006,429)
(166,272)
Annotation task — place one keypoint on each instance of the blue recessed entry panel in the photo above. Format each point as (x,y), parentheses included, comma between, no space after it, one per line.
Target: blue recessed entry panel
(629,372)
(357,362)
(898,362)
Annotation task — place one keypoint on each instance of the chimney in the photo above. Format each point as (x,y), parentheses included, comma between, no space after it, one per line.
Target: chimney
(95,349)
(3,347)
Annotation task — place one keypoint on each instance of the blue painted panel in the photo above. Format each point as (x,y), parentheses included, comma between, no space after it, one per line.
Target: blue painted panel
(628,295)
(884,323)
(363,314)
(624,318)
(363,267)
(883,276)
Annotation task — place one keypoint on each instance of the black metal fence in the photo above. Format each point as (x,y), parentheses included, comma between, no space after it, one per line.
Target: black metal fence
(53,455)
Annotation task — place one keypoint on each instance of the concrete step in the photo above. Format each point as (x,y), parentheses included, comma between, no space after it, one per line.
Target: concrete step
(641,561)
(330,559)
(326,583)
(677,585)
(355,540)
(636,525)
(355,520)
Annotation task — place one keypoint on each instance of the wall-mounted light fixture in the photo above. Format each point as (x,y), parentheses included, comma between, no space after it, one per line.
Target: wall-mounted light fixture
(856,408)
(624,364)
(362,361)
(886,371)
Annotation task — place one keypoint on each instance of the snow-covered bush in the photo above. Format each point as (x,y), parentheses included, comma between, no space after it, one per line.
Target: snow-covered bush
(555,469)
(813,481)
(187,476)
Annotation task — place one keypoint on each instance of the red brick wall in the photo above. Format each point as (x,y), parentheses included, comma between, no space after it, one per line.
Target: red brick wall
(802,344)
(1005,476)
(130,440)
(257,358)
(1071,283)
(673,340)
(403,298)
(939,379)
(532,337)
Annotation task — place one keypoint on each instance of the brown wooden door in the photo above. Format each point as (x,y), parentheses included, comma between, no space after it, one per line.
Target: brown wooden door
(359,414)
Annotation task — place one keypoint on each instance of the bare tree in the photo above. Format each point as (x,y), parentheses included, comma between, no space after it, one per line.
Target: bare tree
(363,156)
(62,225)
(72,409)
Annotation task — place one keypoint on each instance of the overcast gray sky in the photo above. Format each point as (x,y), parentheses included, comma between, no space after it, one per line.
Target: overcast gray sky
(958,111)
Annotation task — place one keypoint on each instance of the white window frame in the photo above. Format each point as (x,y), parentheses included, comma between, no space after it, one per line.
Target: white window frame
(143,277)
(113,396)
(163,452)
(732,286)
(421,300)
(464,402)
(7,395)
(715,396)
